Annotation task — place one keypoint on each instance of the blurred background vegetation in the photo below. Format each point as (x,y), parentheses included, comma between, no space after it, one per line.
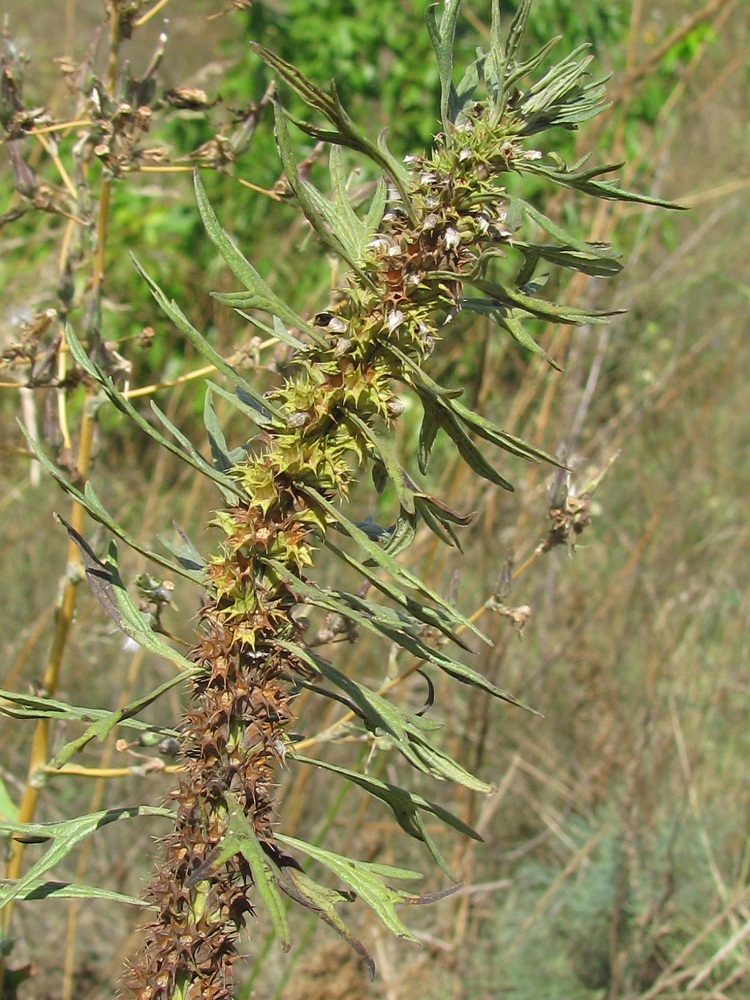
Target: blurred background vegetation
(616,854)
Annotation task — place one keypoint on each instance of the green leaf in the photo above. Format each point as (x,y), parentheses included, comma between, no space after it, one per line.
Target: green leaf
(26,706)
(266,410)
(351,227)
(374,215)
(303,890)
(227,486)
(563,97)
(366,880)
(489,307)
(496,435)
(407,807)
(259,294)
(345,132)
(440,519)
(405,731)
(66,836)
(186,454)
(186,553)
(583,181)
(108,588)
(463,94)
(246,407)
(501,60)
(520,70)
(330,220)
(471,454)
(507,296)
(40,889)
(101,729)
(566,239)
(442,37)
(240,839)
(403,532)
(432,421)
(396,474)
(421,612)
(565,256)
(224,459)
(441,409)
(91,503)
(400,573)
(397,628)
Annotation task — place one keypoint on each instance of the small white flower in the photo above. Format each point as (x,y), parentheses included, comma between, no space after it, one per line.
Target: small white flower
(395,319)
(452,238)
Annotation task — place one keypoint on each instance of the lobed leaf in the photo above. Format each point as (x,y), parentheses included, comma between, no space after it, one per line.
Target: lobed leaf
(65,836)
(345,132)
(365,879)
(407,807)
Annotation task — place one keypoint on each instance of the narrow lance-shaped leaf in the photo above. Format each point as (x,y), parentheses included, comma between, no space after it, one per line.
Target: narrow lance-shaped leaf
(489,307)
(349,221)
(407,808)
(421,612)
(40,889)
(185,552)
(396,628)
(266,410)
(383,451)
(186,453)
(405,731)
(442,37)
(108,588)
(109,720)
(387,562)
(229,489)
(91,503)
(321,900)
(18,705)
(608,190)
(327,219)
(66,836)
(224,459)
(502,57)
(260,295)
